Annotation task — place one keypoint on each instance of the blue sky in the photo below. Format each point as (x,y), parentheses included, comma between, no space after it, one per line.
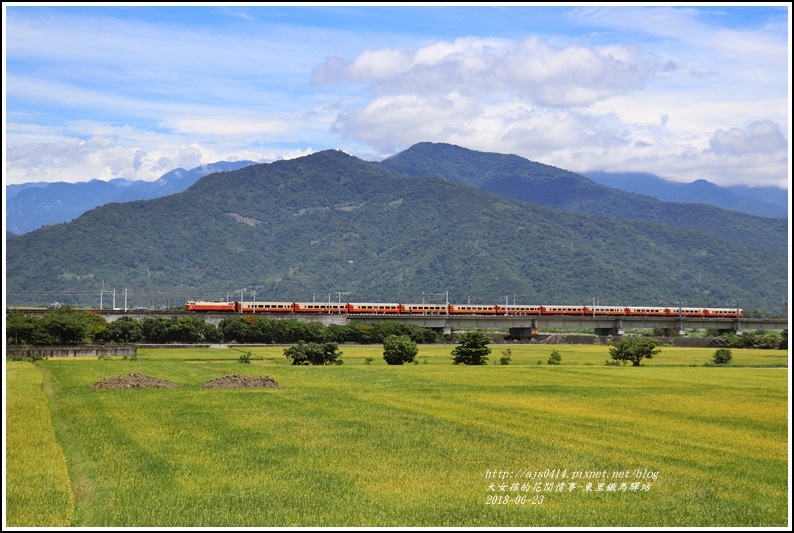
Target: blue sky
(133,91)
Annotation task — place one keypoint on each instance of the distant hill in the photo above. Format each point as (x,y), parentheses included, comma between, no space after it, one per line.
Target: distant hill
(32,205)
(330,226)
(769,202)
(522,179)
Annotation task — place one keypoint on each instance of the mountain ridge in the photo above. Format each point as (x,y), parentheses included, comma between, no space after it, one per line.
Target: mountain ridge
(31,206)
(51,203)
(331,223)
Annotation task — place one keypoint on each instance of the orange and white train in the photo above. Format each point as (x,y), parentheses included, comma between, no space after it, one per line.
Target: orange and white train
(457,309)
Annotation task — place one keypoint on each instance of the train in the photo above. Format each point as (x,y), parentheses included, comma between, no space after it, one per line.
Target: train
(426,309)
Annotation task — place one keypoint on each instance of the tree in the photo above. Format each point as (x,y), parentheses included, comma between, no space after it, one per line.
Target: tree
(473,349)
(20,328)
(66,325)
(312,353)
(723,356)
(399,349)
(125,329)
(555,358)
(634,349)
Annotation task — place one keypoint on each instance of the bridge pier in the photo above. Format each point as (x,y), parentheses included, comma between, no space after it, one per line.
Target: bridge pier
(523,334)
(615,330)
(736,328)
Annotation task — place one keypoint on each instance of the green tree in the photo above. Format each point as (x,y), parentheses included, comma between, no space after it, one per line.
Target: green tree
(312,353)
(472,350)
(65,325)
(20,328)
(722,356)
(634,349)
(124,329)
(507,356)
(237,329)
(555,358)
(399,349)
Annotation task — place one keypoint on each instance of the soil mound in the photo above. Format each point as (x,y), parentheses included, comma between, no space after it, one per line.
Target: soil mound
(241,382)
(134,380)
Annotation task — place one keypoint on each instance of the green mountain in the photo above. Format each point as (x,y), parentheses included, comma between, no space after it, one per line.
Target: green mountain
(516,177)
(330,225)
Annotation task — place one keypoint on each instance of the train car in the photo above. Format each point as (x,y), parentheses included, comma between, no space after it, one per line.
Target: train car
(321,307)
(265,307)
(647,311)
(374,308)
(469,309)
(687,311)
(608,310)
(723,312)
(424,309)
(194,305)
(562,309)
(518,310)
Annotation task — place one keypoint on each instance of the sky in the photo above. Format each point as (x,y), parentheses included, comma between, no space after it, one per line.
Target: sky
(133,91)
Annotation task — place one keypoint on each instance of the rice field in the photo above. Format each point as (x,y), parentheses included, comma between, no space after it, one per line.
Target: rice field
(432,444)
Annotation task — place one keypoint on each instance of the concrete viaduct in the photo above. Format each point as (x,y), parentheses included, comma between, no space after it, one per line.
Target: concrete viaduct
(519,327)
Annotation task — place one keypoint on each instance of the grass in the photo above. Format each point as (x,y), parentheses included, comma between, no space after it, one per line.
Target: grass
(522,354)
(38,488)
(414,446)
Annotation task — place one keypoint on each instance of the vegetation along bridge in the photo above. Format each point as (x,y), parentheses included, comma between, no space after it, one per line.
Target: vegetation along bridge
(519,327)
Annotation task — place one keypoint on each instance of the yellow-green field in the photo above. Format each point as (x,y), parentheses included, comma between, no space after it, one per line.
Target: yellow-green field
(433,444)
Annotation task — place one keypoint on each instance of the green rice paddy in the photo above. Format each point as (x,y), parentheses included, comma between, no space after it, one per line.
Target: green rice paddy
(364,444)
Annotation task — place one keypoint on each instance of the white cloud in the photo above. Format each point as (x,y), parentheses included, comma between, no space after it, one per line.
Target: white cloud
(759,138)
(571,76)
(653,89)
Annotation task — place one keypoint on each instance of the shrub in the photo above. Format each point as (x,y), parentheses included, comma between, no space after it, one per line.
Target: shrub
(399,349)
(473,349)
(312,353)
(507,356)
(722,356)
(555,358)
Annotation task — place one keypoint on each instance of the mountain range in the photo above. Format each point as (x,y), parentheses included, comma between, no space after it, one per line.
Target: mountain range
(32,205)
(769,202)
(433,222)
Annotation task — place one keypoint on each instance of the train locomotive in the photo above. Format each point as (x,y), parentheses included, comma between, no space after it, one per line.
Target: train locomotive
(456,309)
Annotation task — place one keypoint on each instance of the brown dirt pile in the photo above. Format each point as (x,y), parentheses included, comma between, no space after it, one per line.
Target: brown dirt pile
(242,382)
(134,380)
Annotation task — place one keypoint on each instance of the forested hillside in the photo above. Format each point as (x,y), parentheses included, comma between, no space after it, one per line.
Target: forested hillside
(516,177)
(332,225)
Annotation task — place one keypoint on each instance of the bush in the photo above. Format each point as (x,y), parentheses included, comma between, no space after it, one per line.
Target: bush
(507,356)
(311,353)
(473,349)
(245,357)
(555,358)
(722,356)
(399,349)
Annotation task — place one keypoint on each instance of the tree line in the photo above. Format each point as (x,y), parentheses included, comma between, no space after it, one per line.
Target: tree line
(68,326)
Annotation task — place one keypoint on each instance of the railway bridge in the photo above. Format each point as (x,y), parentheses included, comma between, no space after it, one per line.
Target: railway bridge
(520,327)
